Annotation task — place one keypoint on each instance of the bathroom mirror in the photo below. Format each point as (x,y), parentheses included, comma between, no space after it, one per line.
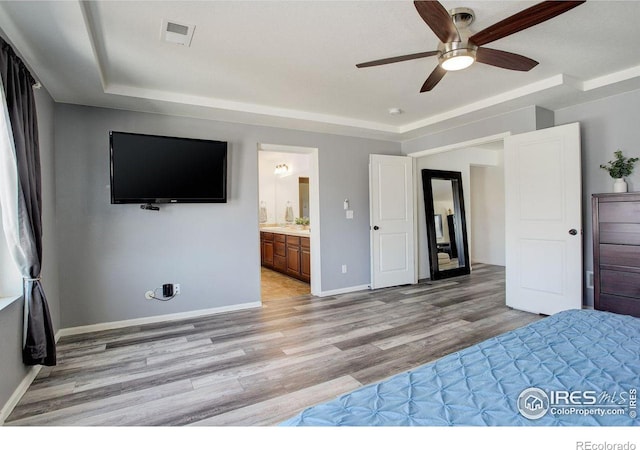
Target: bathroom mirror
(303,195)
(446,224)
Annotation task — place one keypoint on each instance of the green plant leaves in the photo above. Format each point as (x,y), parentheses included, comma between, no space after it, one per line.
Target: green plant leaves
(619,167)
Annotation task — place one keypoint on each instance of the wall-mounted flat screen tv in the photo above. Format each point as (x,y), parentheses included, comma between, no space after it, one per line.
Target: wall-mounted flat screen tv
(163,169)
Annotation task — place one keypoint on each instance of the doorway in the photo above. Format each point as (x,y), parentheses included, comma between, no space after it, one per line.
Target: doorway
(542,195)
(480,164)
(288,205)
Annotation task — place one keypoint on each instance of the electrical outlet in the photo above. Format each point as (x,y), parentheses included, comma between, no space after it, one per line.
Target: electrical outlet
(344,268)
(149,295)
(176,289)
(589,279)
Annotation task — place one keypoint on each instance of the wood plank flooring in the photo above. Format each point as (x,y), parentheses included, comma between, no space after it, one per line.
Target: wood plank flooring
(261,366)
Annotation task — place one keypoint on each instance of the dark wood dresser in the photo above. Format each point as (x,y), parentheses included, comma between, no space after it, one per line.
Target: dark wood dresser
(616,252)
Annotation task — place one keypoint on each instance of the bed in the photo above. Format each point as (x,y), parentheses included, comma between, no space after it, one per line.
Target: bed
(576,368)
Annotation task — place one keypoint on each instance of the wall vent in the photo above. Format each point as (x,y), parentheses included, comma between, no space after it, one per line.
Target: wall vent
(177,33)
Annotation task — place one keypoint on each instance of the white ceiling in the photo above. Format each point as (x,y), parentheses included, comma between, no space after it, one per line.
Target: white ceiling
(292,63)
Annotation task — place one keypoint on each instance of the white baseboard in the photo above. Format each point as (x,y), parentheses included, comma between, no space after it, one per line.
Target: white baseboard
(11,403)
(18,393)
(346,290)
(154,319)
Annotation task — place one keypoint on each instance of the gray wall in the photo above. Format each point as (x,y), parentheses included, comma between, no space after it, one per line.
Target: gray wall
(605,126)
(110,255)
(12,371)
(518,121)
(487,231)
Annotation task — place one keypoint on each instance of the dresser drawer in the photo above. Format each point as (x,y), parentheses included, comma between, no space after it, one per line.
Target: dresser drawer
(621,283)
(620,255)
(621,212)
(617,304)
(620,233)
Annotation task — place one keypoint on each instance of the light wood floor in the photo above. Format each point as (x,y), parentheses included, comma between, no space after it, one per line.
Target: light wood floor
(276,286)
(261,366)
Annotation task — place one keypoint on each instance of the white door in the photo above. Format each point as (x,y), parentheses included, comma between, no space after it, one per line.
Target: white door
(392,222)
(543,220)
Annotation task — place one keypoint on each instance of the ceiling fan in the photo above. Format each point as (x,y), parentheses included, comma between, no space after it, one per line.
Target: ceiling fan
(459,48)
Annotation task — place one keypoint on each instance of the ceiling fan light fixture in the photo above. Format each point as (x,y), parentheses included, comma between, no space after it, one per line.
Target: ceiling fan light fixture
(457,59)
(459,45)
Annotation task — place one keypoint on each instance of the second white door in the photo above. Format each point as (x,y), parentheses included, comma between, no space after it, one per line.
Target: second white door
(392,221)
(543,220)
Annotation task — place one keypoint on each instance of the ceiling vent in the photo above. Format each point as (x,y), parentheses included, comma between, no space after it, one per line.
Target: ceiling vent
(177,33)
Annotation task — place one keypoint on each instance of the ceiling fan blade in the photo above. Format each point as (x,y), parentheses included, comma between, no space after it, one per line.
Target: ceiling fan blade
(503,59)
(523,20)
(438,19)
(433,79)
(395,59)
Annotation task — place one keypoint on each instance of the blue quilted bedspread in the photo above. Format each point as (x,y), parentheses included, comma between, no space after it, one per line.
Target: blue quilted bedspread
(583,366)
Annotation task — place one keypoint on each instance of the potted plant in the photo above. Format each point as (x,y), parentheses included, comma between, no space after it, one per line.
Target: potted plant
(619,168)
(303,222)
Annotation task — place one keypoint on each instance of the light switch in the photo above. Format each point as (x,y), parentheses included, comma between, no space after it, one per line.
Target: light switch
(350,214)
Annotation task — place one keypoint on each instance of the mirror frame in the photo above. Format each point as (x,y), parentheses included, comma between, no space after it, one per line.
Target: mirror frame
(464,267)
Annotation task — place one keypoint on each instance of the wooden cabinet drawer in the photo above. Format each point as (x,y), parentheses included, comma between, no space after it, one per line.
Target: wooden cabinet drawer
(617,304)
(293,240)
(304,242)
(620,233)
(266,236)
(621,212)
(280,263)
(279,238)
(620,255)
(279,248)
(626,284)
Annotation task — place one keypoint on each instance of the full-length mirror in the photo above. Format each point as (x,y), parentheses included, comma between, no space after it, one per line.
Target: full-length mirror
(446,224)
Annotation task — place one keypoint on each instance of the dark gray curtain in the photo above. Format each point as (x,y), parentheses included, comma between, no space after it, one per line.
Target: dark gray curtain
(39,341)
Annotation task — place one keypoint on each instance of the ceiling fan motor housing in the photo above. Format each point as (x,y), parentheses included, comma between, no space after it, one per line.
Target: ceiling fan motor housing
(462,49)
(462,17)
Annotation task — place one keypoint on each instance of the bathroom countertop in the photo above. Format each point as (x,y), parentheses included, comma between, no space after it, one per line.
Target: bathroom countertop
(293,231)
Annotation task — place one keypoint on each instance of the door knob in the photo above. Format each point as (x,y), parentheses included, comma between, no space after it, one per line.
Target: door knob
(376,227)
(573,232)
